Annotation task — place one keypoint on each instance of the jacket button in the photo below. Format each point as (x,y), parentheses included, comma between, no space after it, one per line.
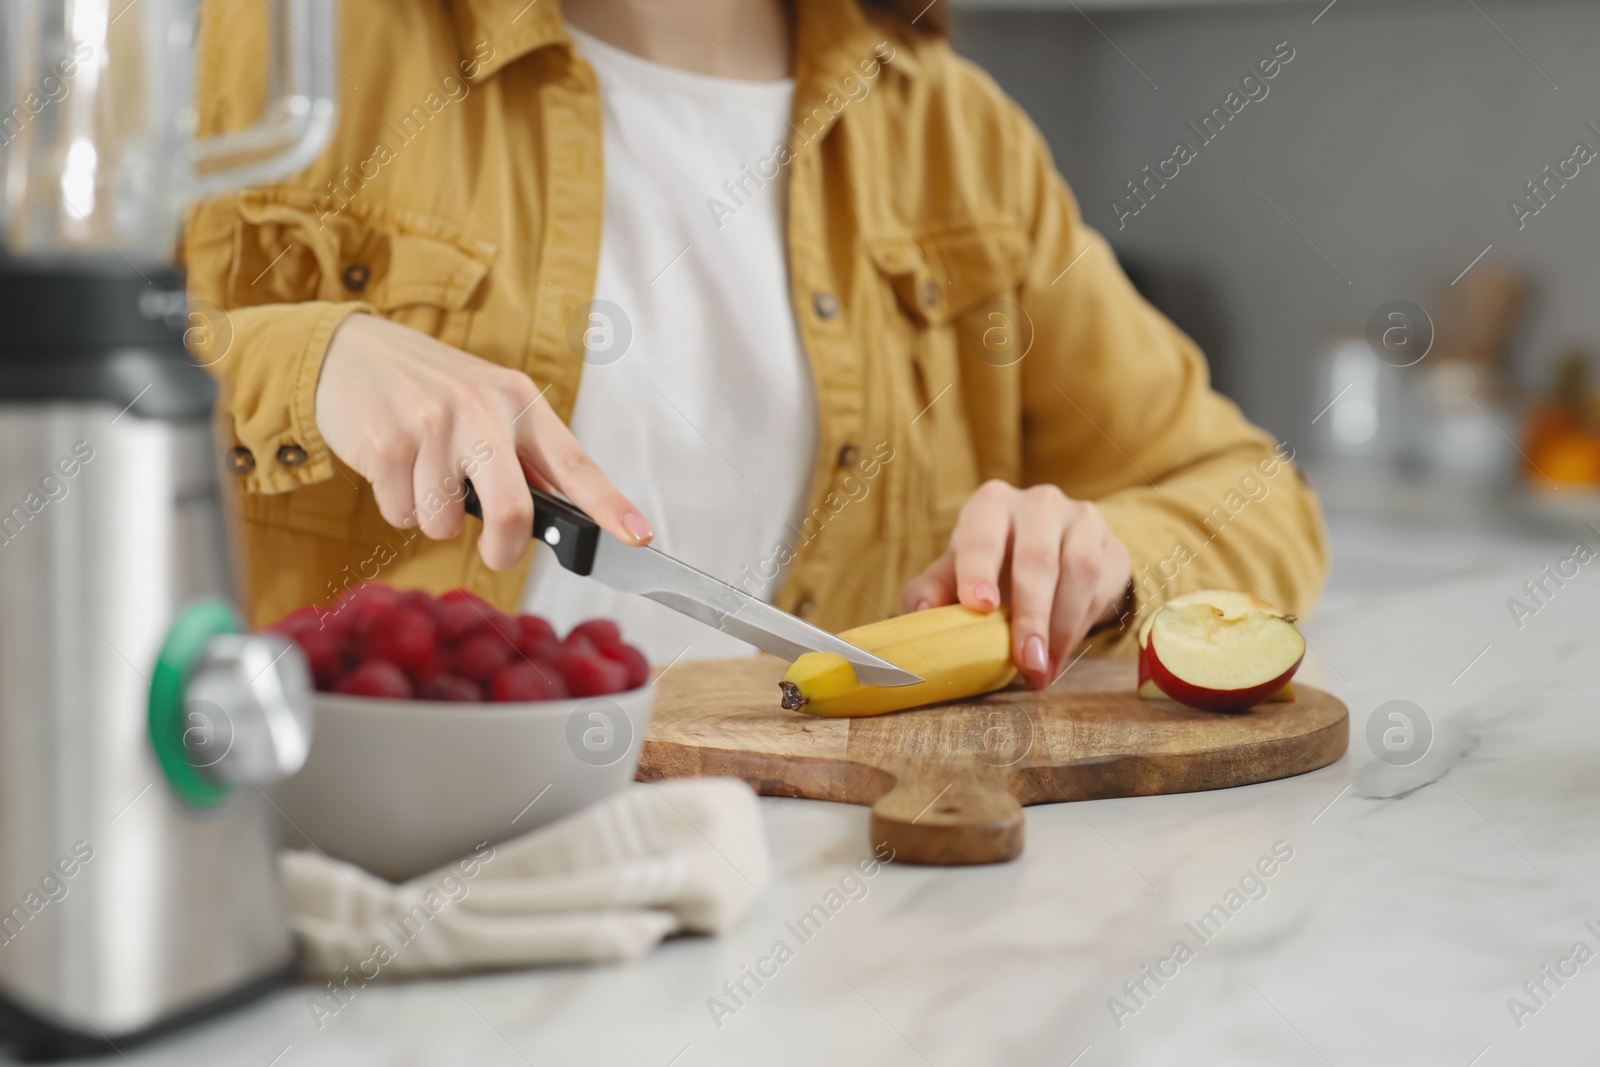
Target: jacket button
(356,276)
(291,455)
(803,606)
(930,293)
(826,305)
(848,455)
(241,460)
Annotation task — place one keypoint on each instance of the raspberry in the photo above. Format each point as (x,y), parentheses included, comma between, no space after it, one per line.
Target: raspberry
(488,620)
(593,676)
(533,627)
(523,681)
(457,618)
(326,654)
(578,645)
(453,687)
(424,671)
(360,608)
(376,678)
(544,650)
(504,625)
(483,654)
(537,639)
(631,658)
(418,599)
(404,636)
(602,633)
(300,620)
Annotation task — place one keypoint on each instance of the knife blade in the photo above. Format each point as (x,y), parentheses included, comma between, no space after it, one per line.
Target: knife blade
(582,547)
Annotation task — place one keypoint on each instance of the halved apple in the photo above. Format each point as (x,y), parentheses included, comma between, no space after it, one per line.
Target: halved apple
(1219,651)
(1147,686)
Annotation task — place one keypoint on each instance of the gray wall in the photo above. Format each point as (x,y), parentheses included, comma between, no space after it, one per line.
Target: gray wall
(1393,140)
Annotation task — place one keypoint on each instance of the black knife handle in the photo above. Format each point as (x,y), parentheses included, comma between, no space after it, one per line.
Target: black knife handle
(564,527)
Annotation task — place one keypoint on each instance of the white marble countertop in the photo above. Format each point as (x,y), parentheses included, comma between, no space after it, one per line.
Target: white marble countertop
(1417,899)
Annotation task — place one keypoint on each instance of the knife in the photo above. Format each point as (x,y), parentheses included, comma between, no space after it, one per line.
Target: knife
(583,548)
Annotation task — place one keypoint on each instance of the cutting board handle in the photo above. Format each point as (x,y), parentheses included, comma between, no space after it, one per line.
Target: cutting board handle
(944,822)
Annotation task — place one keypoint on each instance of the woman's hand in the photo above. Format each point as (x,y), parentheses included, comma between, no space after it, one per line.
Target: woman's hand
(1067,571)
(414,417)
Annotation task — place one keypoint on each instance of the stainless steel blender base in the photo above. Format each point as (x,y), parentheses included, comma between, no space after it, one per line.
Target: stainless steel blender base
(32,1038)
(124,903)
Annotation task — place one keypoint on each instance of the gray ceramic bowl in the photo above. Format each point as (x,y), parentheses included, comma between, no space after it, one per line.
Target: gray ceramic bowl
(400,787)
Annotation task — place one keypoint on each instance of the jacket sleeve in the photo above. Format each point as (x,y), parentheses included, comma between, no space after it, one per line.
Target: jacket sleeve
(1118,408)
(259,324)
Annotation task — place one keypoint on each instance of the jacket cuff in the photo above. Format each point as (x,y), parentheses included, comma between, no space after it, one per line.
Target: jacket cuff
(278,446)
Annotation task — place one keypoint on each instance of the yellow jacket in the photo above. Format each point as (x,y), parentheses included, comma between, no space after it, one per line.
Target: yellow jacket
(961,320)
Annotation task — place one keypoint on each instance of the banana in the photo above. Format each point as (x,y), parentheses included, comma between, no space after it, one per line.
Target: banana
(958,653)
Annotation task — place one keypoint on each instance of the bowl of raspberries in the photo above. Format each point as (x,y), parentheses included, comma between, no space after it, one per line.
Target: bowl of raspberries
(442,723)
(456,648)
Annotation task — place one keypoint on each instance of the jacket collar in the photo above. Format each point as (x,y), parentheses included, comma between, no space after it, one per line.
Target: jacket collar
(832,38)
(496,33)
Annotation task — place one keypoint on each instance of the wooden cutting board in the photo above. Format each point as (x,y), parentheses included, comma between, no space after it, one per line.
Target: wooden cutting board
(947,784)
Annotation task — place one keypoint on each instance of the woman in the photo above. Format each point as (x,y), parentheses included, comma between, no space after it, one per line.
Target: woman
(819,311)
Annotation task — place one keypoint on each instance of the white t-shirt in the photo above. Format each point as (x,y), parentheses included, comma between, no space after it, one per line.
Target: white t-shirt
(696,398)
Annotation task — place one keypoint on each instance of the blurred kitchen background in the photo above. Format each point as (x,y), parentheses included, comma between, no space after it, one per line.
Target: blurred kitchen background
(1311,243)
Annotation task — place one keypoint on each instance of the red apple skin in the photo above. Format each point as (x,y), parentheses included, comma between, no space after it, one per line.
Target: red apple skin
(1146,687)
(1211,699)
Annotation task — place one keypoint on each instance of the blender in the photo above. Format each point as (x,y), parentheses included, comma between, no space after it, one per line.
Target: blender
(138,877)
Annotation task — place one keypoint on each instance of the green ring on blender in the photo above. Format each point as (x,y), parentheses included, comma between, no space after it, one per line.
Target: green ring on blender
(186,639)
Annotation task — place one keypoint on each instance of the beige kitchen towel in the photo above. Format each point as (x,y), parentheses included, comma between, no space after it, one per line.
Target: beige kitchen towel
(604,884)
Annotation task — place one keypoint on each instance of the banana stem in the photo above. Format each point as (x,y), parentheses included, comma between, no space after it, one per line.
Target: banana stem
(793,699)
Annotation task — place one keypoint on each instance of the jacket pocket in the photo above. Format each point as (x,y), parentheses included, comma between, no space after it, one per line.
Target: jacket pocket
(952,289)
(415,269)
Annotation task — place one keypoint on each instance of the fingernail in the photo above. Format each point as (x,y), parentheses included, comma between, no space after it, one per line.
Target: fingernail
(1034,656)
(635,524)
(987,596)
(923,605)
